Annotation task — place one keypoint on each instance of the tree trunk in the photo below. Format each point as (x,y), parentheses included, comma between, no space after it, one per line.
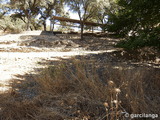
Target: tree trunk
(51,25)
(44,25)
(82,27)
(28,24)
(30,28)
(92,29)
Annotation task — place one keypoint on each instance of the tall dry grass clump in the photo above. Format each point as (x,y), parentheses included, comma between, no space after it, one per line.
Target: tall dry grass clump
(130,90)
(76,90)
(71,78)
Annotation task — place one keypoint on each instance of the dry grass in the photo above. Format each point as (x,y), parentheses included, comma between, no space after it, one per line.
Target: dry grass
(74,91)
(13,109)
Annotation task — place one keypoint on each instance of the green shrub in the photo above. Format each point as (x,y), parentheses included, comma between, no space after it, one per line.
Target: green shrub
(146,38)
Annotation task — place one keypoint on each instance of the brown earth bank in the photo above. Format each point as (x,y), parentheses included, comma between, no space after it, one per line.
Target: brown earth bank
(102,86)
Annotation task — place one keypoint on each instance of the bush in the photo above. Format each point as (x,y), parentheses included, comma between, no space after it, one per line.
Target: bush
(146,38)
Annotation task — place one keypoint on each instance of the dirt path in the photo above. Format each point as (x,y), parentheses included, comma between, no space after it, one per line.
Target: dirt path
(14,60)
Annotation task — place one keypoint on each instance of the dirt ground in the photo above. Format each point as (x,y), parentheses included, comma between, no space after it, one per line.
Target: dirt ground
(21,53)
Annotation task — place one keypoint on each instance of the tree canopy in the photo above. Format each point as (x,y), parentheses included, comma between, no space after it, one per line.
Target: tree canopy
(25,10)
(134,15)
(138,19)
(86,9)
(50,8)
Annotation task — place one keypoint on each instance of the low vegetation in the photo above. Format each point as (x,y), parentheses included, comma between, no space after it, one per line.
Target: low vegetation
(137,19)
(144,39)
(76,90)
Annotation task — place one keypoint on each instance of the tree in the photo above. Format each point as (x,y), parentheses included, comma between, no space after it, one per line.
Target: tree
(25,10)
(85,9)
(48,8)
(131,15)
(10,25)
(4,8)
(140,18)
(101,15)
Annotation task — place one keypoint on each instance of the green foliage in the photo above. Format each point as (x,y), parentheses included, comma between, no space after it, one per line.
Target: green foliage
(29,10)
(146,38)
(85,9)
(25,10)
(10,25)
(50,8)
(4,8)
(140,17)
(121,23)
(134,15)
